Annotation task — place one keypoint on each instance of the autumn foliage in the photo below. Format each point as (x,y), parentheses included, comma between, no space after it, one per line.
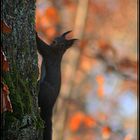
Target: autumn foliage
(106,132)
(5,99)
(5,28)
(99,79)
(80,119)
(47,21)
(100,82)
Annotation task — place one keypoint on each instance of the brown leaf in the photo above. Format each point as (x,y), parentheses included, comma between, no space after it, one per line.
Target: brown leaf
(5,99)
(83,43)
(127,63)
(106,48)
(4,62)
(5,28)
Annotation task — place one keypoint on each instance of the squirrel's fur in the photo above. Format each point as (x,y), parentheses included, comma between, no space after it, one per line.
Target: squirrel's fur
(50,80)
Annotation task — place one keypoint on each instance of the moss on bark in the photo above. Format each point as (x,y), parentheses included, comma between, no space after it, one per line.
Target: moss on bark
(20,49)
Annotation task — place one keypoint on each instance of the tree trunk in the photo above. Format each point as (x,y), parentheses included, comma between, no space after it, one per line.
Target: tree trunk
(20,49)
(71,66)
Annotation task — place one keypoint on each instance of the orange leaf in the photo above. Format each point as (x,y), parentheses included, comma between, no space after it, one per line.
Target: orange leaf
(100,82)
(100,91)
(5,28)
(103,45)
(50,32)
(100,79)
(106,132)
(86,63)
(75,121)
(52,15)
(89,121)
(44,23)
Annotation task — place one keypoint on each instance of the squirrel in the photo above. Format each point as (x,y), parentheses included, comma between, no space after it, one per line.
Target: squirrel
(50,79)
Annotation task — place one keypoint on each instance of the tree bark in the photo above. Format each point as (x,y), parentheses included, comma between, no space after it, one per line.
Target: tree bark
(20,48)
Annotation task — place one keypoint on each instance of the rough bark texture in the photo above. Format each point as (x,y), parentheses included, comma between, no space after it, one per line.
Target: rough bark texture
(20,48)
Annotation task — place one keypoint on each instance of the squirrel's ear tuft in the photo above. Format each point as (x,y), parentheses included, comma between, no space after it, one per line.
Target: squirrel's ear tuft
(71,42)
(64,34)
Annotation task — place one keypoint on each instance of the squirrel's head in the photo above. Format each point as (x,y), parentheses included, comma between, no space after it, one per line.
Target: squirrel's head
(61,43)
(58,46)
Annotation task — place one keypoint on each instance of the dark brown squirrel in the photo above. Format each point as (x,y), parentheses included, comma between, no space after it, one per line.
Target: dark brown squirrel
(50,80)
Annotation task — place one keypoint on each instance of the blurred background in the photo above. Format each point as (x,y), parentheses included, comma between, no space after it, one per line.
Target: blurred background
(98,98)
